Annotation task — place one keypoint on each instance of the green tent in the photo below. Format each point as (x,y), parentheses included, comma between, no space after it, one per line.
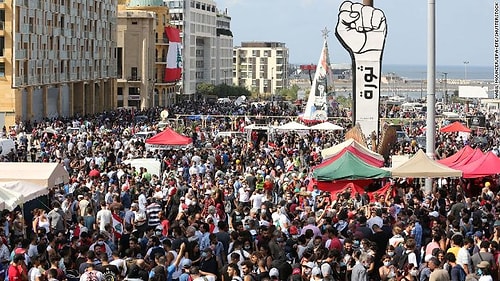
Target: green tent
(349,167)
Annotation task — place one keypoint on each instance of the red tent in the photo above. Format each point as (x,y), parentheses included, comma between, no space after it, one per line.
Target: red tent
(475,155)
(457,157)
(168,138)
(487,165)
(455,127)
(359,154)
(356,186)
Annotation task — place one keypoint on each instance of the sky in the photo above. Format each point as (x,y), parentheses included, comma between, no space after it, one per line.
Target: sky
(464,29)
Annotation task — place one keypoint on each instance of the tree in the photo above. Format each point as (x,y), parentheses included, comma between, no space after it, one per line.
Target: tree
(289,93)
(205,89)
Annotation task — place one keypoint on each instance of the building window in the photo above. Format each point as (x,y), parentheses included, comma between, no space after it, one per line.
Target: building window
(2,69)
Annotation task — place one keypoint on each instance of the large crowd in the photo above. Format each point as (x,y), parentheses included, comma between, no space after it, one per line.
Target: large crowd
(237,208)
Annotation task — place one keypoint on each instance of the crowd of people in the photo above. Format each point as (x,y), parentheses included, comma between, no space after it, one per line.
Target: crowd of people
(236,209)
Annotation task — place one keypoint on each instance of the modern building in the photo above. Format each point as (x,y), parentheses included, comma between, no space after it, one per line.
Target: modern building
(57,58)
(141,55)
(261,67)
(207,40)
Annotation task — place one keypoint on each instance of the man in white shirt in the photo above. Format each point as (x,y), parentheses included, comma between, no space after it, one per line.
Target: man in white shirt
(104,217)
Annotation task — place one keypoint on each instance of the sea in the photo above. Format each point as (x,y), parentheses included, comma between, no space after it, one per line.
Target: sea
(477,75)
(419,72)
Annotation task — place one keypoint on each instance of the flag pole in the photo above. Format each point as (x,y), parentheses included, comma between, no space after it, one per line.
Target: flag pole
(368,3)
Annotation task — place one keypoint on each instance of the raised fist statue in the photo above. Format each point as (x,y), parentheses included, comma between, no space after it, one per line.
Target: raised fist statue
(361,29)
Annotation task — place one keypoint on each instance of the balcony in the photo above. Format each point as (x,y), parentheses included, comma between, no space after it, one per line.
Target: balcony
(134,79)
(162,41)
(161,60)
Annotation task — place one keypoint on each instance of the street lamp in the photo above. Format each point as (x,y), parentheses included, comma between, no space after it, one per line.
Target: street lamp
(272,80)
(465,69)
(445,98)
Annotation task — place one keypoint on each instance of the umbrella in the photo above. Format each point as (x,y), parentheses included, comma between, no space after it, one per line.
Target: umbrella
(94,173)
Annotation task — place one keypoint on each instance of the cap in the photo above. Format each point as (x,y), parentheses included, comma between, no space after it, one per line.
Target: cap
(497,223)
(274,272)
(478,234)
(186,263)
(183,198)
(296,271)
(483,264)
(316,271)
(434,214)
(487,184)
(308,264)
(208,250)
(20,251)
(80,197)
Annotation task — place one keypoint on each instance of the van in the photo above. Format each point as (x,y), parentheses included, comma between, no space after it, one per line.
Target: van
(6,145)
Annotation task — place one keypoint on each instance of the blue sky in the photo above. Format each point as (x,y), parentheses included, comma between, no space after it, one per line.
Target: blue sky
(464,29)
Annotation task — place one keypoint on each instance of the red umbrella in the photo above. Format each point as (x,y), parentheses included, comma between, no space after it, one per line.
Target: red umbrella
(94,173)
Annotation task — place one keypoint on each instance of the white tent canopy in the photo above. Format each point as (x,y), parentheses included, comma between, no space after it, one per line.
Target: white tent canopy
(421,166)
(47,175)
(292,126)
(334,150)
(10,199)
(326,126)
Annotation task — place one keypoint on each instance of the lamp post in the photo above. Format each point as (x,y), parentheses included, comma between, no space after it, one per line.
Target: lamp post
(272,80)
(445,97)
(465,69)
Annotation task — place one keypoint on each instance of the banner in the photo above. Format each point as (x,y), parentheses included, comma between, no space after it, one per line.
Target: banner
(174,56)
(496,74)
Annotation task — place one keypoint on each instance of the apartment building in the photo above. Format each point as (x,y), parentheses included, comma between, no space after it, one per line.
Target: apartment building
(261,67)
(56,58)
(207,40)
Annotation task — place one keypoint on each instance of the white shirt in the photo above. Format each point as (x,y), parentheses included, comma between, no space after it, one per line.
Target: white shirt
(33,273)
(463,257)
(256,200)
(205,278)
(104,217)
(143,202)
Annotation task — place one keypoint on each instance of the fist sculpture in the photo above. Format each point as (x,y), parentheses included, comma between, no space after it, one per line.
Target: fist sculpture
(361,29)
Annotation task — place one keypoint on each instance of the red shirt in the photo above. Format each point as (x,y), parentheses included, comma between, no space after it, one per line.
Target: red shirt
(15,272)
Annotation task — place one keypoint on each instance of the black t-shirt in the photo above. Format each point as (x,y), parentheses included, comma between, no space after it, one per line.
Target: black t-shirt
(109,271)
(237,217)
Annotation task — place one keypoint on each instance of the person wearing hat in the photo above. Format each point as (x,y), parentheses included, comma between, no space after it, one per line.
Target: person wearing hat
(484,271)
(185,266)
(17,269)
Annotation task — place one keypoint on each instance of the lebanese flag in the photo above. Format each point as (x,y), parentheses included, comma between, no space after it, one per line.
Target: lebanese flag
(174,58)
(117,226)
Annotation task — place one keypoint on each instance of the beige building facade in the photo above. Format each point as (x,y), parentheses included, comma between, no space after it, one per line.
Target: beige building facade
(141,55)
(57,58)
(261,67)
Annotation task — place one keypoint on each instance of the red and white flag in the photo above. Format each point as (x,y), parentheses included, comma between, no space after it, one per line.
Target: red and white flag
(174,57)
(117,226)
